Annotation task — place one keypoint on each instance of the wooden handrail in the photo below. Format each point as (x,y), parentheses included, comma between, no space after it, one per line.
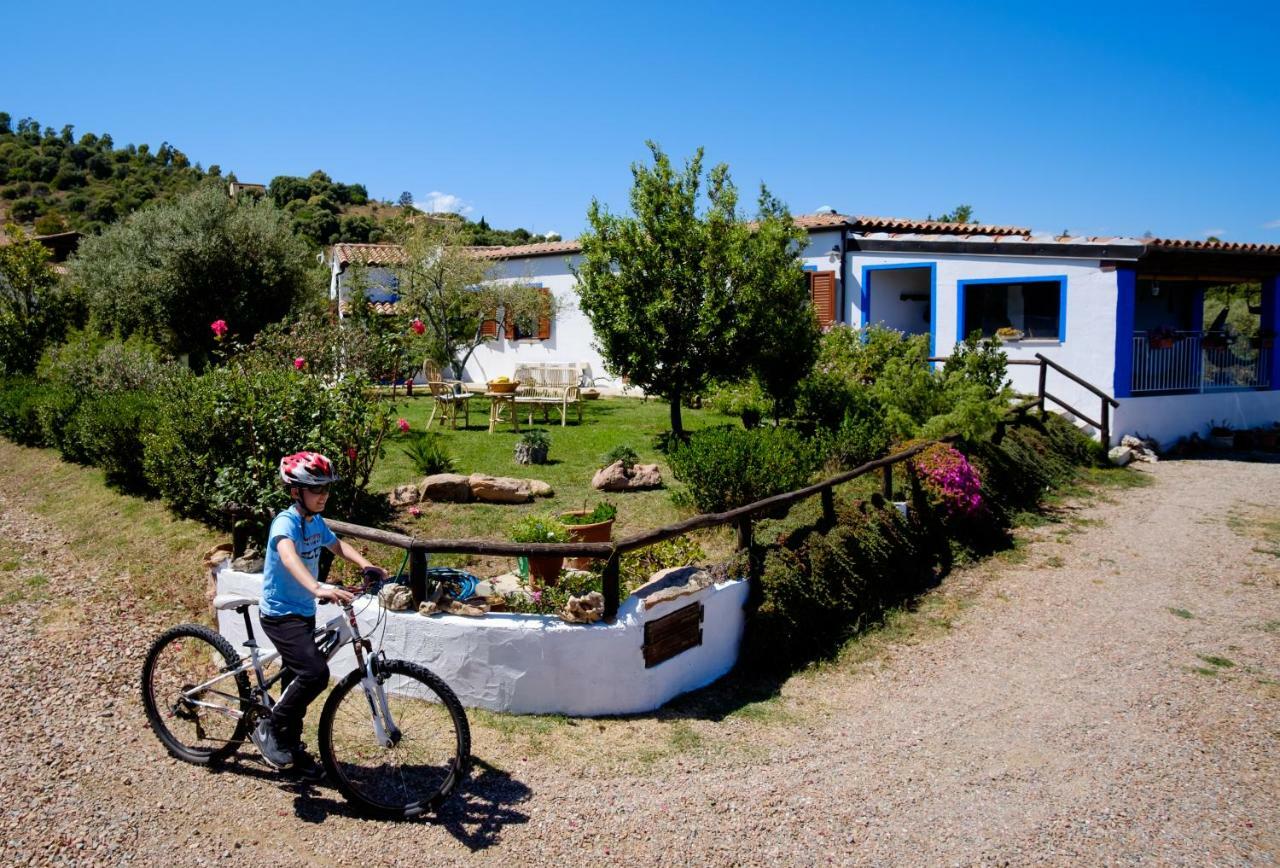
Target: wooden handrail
(1070,376)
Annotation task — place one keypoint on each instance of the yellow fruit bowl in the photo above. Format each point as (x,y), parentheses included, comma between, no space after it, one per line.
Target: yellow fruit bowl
(503,387)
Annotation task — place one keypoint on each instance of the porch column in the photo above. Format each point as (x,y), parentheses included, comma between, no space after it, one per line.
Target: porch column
(1126,298)
(1270,321)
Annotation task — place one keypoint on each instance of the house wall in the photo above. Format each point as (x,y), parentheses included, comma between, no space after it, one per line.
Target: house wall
(1088,347)
(1168,417)
(571,335)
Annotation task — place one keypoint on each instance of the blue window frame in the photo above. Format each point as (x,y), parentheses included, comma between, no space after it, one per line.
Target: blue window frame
(868,271)
(1034,306)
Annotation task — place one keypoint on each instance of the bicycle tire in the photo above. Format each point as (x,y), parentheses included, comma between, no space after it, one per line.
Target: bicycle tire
(422,769)
(183,657)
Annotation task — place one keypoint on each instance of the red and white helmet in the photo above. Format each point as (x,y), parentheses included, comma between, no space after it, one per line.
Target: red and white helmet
(306,468)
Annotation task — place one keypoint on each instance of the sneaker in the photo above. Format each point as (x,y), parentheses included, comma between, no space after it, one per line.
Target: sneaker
(305,767)
(264,737)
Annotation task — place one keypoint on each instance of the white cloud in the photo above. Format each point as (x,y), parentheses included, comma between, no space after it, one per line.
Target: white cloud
(1216,232)
(442,202)
(1271,224)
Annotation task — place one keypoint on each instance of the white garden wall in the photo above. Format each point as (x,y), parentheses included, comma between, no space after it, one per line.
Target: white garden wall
(533,664)
(1168,417)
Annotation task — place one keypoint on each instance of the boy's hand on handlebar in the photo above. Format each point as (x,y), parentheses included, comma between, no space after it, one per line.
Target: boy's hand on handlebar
(374,574)
(334,594)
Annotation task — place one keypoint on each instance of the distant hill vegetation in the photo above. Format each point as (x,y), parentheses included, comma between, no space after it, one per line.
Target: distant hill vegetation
(51,181)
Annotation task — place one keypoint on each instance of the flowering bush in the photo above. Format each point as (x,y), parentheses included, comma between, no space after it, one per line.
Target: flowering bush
(219,327)
(949,477)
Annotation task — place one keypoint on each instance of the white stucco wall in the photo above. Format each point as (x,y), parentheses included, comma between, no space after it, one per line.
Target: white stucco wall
(571,335)
(533,664)
(1089,347)
(1168,417)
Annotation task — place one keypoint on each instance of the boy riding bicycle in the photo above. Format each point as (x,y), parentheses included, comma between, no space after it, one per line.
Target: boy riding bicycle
(287,612)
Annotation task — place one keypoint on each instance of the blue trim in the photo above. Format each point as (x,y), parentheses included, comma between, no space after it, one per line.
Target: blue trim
(808,268)
(1126,299)
(1270,319)
(1061,280)
(933,295)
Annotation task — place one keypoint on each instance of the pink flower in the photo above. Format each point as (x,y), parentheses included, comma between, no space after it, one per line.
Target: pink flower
(415,511)
(417,326)
(351,452)
(299,362)
(219,327)
(537,596)
(403,425)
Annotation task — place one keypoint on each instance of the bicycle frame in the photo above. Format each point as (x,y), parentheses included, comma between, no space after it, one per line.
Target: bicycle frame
(339,630)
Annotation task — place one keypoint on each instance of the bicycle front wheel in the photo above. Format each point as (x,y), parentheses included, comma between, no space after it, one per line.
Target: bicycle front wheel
(432,741)
(199,726)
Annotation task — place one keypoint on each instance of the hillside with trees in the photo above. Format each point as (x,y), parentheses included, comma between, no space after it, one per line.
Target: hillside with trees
(52,181)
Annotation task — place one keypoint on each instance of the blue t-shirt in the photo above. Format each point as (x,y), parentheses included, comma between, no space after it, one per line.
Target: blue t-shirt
(282,594)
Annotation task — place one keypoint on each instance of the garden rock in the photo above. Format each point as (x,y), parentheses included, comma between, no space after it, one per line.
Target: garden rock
(445,488)
(252,561)
(403,495)
(671,584)
(1143,449)
(397,598)
(585,609)
(538,488)
(616,477)
(1120,455)
(500,489)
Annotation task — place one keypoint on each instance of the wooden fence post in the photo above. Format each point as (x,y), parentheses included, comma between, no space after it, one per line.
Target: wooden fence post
(1106,424)
(418,576)
(610,578)
(828,506)
(1044,370)
(887,489)
(743,527)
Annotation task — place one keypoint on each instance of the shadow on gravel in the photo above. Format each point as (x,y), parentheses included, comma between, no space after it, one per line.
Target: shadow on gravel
(475,814)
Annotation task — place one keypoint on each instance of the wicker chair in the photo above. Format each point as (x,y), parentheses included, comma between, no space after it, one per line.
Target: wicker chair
(448,403)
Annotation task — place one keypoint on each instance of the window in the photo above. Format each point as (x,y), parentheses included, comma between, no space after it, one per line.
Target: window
(822,292)
(529,327)
(1032,307)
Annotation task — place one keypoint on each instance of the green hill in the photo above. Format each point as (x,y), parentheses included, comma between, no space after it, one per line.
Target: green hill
(51,181)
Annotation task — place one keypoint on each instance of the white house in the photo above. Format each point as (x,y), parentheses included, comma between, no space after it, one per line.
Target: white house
(1124,314)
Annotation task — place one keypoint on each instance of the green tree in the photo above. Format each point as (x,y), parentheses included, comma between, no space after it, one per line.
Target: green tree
(32,310)
(449,289)
(670,292)
(168,272)
(961,214)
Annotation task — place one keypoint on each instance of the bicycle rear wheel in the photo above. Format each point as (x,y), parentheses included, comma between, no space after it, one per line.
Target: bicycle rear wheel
(198,728)
(429,757)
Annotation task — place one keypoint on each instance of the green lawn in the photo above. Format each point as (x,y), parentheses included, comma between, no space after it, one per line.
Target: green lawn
(576,452)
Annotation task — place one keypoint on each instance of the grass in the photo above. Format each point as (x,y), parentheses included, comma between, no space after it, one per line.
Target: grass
(577,451)
(1219,662)
(1181,613)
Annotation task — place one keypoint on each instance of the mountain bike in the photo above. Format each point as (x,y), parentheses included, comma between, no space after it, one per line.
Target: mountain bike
(392,735)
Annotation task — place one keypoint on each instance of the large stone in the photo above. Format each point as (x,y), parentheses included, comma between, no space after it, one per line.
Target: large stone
(403,495)
(585,609)
(539,488)
(615,477)
(445,488)
(671,584)
(500,489)
(1120,455)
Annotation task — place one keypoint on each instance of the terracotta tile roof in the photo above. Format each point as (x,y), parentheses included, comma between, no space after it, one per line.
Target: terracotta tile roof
(542,248)
(384,307)
(370,254)
(822,221)
(1223,246)
(869,223)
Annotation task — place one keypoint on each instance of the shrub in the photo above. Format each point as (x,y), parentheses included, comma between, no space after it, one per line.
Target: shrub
(862,436)
(109,431)
(729,467)
(949,478)
(219,438)
(19,399)
(54,407)
(625,454)
(741,398)
(603,511)
(539,529)
(99,364)
(427,452)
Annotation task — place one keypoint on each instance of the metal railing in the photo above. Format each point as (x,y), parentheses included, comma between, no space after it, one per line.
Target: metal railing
(1191,361)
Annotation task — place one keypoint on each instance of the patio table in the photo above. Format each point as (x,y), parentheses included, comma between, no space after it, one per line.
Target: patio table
(496,402)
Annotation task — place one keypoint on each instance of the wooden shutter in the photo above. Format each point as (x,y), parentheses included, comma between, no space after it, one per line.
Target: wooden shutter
(544,322)
(509,325)
(489,327)
(822,291)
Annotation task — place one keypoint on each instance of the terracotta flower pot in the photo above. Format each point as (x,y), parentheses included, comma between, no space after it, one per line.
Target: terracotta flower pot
(544,570)
(600,531)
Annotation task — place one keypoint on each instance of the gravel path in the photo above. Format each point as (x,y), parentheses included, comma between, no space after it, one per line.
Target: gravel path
(1067,714)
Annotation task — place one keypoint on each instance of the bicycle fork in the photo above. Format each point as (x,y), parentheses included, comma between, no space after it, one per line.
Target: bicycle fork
(384,727)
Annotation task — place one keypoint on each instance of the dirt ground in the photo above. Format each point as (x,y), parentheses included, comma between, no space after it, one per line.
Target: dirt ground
(1107,692)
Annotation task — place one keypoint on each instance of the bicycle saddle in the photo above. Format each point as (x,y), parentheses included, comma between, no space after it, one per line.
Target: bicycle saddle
(233,601)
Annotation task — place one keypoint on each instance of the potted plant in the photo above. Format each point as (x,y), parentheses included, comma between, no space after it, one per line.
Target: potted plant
(543,570)
(1266,438)
(589,525)
(532,447)
(1221,435)
(1214,341)
(1009,333)
(1162,337)
(1265,339)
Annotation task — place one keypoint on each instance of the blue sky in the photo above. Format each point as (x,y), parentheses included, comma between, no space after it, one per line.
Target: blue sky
(1100,119)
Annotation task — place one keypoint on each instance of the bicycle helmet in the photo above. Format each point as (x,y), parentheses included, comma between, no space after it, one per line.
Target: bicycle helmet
(306,468)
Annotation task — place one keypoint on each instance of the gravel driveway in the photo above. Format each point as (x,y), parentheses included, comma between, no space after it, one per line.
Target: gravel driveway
(1111,697)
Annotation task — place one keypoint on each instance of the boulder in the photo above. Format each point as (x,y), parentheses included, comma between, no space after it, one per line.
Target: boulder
(585,609)
(671,584)
(616,477)
(397,598)
(445,488)
(403,495)
(1120,455)
(500,489)
(538,488)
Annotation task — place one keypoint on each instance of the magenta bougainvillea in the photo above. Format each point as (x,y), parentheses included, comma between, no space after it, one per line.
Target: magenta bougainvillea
(948,475)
